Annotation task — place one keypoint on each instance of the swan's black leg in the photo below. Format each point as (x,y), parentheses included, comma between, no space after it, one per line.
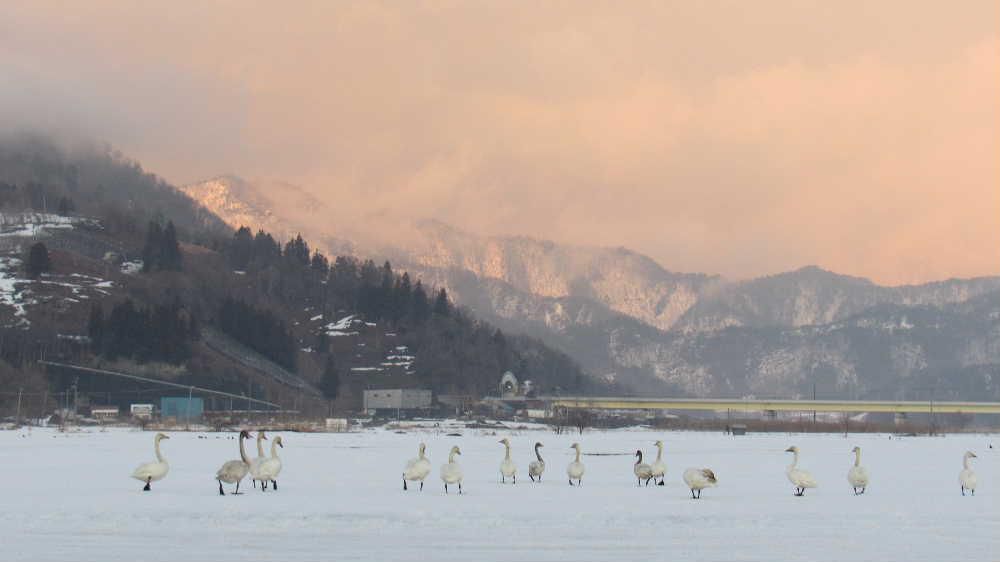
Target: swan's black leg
(502,479)
(221,492)
(421,485)
(275,484)
(532,477)
(963,490)
(254,482)
(146,487)
(515,479)
(446,488)
(570,481)
(699,494)
(460,488)
(404,484)
(237,492)
(692,494)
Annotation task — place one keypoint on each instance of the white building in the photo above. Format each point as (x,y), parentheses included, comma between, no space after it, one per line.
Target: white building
(142,411)
(396,399)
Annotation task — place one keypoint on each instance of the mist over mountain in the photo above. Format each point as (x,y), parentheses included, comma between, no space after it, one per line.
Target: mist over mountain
(627,319)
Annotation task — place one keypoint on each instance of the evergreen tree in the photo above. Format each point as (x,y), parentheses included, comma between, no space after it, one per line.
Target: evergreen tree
(319,265)
(329,383)
(154,245)
(170,252)
(95,328)
(421,308)
(241,249)
(66,206)
(38,261)
(441,305)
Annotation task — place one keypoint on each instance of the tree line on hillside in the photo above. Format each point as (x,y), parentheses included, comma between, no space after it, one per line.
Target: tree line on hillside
(259,330)
(162,332)
(455,352)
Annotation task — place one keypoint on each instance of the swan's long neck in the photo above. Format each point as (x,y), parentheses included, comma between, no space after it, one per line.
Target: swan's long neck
(857,457)
(638,460)
(159,457)
(577,454)
(965,463)
(795,460)
(260,445)
(506,456)
(659,453)
(243,452)
(274,449)
(451,457)
(421,455)
(537,454)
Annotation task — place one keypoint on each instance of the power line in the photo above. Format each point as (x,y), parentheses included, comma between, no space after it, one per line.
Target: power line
(187,387)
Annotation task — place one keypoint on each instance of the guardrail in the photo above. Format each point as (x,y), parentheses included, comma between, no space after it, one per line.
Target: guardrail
(759,405)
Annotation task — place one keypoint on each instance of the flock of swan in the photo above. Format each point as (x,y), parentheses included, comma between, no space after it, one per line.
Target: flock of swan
(265,469)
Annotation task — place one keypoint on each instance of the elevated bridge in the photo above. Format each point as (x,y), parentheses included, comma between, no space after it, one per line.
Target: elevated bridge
(758,405)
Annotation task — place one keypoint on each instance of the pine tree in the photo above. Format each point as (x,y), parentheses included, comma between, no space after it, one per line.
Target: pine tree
(329,383)
(170,252)
(441,305)
(421,308)
(241,249)
(154,245)
(38,261)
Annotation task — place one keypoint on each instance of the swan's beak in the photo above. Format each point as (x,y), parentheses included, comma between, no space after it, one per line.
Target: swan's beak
(164,437)
(973,455)
(789,450)
(281,445)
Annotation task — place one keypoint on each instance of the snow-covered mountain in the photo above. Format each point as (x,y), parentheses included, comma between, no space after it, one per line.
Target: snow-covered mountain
(624,316)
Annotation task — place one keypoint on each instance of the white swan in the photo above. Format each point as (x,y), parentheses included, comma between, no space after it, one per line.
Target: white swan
(536,468)
(153,471)
(451,473)
(507,467)
(967,478)
(575,469)
(699,479)
(857,476)
(269,469)
(642,470)
(234,471)
(659,467)
(802,479)
(255,462)
(417,469)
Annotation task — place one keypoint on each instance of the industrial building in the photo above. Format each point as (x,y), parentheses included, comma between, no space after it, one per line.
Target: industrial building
(396,401)
(182,407)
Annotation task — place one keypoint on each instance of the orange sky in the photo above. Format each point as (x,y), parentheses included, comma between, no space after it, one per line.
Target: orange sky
(743,138)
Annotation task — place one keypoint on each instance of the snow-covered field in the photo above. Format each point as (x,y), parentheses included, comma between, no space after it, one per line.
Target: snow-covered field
(69,497)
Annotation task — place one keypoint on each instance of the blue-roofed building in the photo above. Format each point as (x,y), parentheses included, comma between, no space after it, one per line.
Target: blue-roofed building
(177,407)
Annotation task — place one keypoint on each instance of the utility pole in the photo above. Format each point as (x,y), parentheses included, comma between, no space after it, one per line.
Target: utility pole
(17,417)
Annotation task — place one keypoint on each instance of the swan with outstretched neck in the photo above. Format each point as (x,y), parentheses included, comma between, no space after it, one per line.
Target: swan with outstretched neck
(857,476)
(261,457)
(801,479)
(507,467)
(537,467)
(451,473)
(232,472)
(575,469)
(153,471)
(417,469)
(967,478)
(269,469)
(659,467)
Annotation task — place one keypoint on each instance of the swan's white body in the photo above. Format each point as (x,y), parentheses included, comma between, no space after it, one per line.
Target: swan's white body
(857,476)
(801,479)
(967,478)
(507,467)
(659,467)
(536,467)
(261,457)
(697,479)
(270,467)
(642,470)
(451,473)
(232,472)
(153,471)
(417,469)
(575,469)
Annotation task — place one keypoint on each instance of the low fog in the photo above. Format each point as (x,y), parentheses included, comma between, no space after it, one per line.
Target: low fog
(727,137)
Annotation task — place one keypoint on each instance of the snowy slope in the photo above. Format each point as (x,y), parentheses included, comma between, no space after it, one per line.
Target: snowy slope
(340,497)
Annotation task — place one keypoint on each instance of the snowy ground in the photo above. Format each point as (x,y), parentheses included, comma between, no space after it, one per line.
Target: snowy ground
(68,497)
